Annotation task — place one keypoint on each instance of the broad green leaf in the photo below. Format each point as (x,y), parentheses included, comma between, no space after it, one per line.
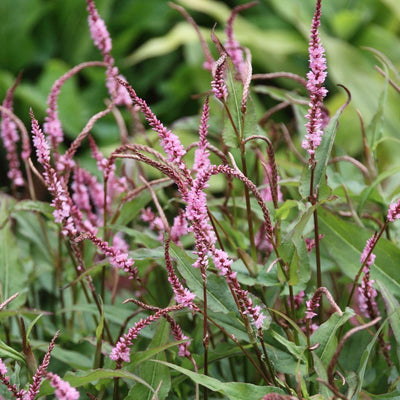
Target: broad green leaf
(32,324)
(322,155)
(8,352)
(219,298)
(13,276)
(321,371)
(294,252)
(34,205)
(374,129)
(180,34)
(393,311)
(394,6)
(293,349)
(99,337)
(325,335)
(116,314)
(345,242)
(384,175)
(83,378)
(278,42)
(142,356)
(233,129)
(364,361)
(132,209)
(139,237)
(231,323)
(156,375)
(233,390)
(72,358)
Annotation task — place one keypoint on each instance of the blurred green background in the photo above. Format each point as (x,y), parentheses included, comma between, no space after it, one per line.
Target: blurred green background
(158,52)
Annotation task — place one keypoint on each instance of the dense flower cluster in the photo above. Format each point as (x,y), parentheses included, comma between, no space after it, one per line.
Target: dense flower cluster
(316,78)
(64,391)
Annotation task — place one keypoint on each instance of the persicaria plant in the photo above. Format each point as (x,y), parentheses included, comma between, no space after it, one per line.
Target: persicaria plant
(244,263)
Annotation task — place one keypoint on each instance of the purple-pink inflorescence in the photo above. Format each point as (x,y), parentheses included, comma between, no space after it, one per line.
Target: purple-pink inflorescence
(218,83)
(366,292)
(5,380)
(232,46)
(118,258)
(10,137)
(41,371)
(64,207)
(168,140)
(315,80)
(394,211)
(201,156)
(64,391)
(121,353)
(179,228)
(182,295)
(102,40)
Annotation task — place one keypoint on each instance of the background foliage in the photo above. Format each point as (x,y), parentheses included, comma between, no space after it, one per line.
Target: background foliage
(159,54)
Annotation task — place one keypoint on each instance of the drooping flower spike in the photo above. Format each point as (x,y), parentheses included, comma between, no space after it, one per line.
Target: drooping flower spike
(168,140)
(52,126)
(121,351)
(232,46)
(315,80)
(102,40)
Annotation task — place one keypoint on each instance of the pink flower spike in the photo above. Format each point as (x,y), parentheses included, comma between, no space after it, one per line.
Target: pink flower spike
(367,250)
(179,228)
(218,84)
(316,78)
(98,29)
(394,211)
(201,156)
(64,391)
(3,368)
(168,140)
(10,136)
(232,46)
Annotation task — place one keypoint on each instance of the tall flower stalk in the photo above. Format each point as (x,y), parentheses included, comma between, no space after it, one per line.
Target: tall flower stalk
(315,81)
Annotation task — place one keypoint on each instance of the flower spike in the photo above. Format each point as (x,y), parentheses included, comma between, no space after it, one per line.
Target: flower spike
(315,80)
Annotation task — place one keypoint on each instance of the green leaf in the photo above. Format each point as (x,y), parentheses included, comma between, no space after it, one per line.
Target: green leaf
(384,175)
(233,129)
(32,324)
(394,6)
(294,252)
(34,205)
(219,298)
(13,276)
(321,371)
(364,361)
(374,129)
(233,390)
(74,359)
(82,378)
(322,155)
(180,34)
(142,356)
(132,209)
(325,335)
(393,311)
(345,242)
(156,375)
(8,352)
